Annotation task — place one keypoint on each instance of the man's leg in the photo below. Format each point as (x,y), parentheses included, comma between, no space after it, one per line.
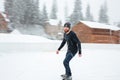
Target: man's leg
(66,61)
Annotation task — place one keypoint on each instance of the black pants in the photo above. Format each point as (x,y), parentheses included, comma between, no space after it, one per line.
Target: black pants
(66,61)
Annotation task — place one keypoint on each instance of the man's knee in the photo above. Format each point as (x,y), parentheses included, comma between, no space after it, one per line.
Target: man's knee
(65,62)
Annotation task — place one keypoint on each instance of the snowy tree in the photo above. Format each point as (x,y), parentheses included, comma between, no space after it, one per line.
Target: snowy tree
(35,12)
(9,8)
(89,16)
(66,12)
(103,17)
(44,15)
(77,13)
(118,24)
(54,10)
(31,12)
(23,11)
(18,11)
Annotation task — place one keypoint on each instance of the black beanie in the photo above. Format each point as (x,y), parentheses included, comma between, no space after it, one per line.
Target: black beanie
(67,24)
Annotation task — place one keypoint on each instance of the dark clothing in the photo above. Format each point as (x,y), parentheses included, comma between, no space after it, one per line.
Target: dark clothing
(73,42)
(74,45)
(66,61)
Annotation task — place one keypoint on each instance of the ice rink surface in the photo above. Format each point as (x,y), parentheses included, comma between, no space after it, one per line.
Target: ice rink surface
(20,61)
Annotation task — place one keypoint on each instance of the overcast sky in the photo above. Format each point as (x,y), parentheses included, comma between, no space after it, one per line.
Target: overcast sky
(113,7)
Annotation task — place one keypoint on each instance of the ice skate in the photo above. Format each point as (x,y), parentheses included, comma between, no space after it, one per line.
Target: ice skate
(65,77)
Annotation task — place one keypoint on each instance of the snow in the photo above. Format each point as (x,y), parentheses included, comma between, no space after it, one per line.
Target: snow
(1,5)
(100,25)
(16,37)
(15,32)
(5,16)
(20,60)
(54,22)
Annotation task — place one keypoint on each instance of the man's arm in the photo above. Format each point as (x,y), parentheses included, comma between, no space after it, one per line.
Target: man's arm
(61,46)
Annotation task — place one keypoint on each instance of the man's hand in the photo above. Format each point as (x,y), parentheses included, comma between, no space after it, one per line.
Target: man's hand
(57,52)
(80,55)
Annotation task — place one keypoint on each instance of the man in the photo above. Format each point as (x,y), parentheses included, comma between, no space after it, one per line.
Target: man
(73,44)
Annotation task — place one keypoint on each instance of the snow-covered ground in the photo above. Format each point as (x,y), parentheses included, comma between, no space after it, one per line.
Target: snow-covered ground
(37,60)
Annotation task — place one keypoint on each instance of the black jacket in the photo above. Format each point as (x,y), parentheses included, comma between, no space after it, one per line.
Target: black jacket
(73,42)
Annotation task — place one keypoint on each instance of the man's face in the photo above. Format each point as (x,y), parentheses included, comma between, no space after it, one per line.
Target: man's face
(66,29)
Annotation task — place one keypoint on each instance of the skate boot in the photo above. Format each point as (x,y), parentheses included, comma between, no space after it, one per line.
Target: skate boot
(65,77)
(68,78)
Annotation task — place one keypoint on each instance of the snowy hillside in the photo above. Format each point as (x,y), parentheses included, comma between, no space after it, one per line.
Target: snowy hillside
(22,38)
(18,42)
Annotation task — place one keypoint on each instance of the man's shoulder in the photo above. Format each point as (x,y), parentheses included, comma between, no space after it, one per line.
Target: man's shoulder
(73,33)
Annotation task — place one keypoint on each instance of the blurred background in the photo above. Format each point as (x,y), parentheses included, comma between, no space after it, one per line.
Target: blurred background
(46,18)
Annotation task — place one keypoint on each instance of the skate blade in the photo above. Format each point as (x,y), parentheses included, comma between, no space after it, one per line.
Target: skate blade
(66,79)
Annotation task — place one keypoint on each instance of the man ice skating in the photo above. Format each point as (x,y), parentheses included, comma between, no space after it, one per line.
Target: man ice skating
(74,45)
